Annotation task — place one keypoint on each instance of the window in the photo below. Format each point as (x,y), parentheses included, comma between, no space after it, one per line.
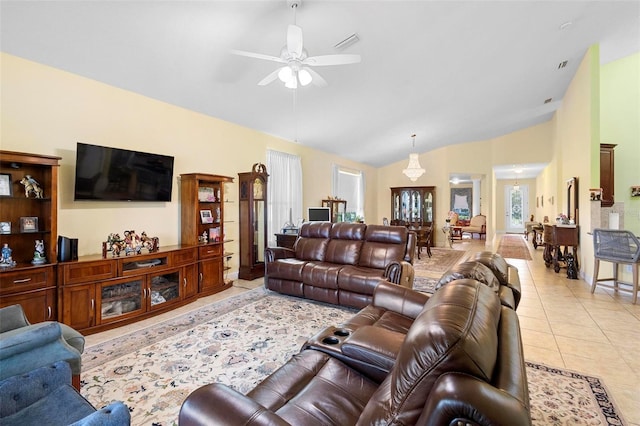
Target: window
(348,184)
(284,192)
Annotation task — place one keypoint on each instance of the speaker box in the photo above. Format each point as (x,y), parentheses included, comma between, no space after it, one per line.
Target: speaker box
(67,249)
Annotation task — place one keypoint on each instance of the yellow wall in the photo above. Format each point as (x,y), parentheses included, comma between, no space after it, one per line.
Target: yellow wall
(46,111)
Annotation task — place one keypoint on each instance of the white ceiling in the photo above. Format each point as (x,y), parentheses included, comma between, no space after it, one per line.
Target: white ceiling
(449,71)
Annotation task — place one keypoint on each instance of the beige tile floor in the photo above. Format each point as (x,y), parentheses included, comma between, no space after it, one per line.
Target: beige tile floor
(563,325)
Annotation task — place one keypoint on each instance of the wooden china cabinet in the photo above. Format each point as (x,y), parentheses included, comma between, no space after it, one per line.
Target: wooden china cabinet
(26,219)
(253,221)
(415,206)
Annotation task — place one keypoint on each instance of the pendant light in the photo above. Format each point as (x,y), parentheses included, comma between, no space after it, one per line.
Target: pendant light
(413,170)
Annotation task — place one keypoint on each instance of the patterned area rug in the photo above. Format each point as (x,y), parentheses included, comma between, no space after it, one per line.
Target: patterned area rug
(241,340)
(440,261)
(425,284)
(514,247)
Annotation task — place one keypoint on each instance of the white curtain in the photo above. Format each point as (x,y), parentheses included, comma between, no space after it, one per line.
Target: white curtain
(284,193)
(348,184)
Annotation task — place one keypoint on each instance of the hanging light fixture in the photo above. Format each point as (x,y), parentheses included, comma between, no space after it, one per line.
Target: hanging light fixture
(413,170)
(518,170)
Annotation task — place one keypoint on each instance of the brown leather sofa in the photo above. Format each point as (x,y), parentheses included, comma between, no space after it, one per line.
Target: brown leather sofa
(461,362)
(341,263)
(491,269)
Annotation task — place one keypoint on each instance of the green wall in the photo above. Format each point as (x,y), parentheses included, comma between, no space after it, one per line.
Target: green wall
(620,124)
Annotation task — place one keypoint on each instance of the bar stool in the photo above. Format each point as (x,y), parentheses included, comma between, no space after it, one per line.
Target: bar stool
(617,247)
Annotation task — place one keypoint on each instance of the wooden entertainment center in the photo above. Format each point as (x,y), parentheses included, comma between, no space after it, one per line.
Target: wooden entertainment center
(95,293)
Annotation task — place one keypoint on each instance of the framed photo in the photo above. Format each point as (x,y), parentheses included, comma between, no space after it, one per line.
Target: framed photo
(206,216)
(214,235)
(5,227)
(595,194)
(635,191)
(206,193)
(29,224)
(6,188)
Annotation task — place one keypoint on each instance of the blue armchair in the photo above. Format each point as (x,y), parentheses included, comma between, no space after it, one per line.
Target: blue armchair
(45,396)
(25,347)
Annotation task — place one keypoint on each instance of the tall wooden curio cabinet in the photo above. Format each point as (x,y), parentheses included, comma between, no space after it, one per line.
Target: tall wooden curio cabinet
(25,219)
(253,221)
(202,202)
(413,205)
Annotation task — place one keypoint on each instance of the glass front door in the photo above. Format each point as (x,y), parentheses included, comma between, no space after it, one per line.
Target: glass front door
(516,208)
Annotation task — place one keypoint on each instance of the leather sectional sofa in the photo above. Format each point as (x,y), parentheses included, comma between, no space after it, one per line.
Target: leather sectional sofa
(453,358)
(341,263)
(491,269)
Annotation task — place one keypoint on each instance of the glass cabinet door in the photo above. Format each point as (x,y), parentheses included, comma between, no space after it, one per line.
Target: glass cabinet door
(121,299)
(259,225)
(164,288)
(428,207)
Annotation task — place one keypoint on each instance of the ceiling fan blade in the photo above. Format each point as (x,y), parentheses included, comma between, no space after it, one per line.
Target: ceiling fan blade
(294,41)
(317,78)
(325,60)
(257,55)
(270,78)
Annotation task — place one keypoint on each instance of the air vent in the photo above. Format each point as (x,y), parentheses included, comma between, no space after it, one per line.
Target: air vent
(351,40)
(546,101)
(562,64)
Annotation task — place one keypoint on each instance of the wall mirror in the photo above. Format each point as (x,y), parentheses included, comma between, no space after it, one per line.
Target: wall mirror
(572,199)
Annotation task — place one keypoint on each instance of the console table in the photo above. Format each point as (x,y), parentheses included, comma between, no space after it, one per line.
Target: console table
(286,240)
(557,240)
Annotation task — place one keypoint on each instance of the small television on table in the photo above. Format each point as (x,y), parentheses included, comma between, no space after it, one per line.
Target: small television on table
(319,214)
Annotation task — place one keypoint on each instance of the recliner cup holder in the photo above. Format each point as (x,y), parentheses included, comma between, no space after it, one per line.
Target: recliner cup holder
(341,332)
(330,340)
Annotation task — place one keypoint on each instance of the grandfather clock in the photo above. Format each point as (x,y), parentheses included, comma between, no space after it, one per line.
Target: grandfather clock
(253,221)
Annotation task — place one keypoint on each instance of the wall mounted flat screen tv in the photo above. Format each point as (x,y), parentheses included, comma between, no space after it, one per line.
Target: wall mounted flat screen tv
(319,214)
(113,174)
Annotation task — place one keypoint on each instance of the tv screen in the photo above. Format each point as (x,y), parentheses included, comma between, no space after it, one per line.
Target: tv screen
(319,214)
(112,174)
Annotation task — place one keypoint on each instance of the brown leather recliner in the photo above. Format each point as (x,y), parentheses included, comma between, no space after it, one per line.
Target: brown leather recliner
(341,263)
(461,361)
(491,269)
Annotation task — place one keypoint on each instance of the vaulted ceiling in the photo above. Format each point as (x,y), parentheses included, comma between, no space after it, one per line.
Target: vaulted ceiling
(449,71)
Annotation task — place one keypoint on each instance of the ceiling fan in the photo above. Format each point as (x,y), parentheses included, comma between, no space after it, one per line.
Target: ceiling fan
(297,62)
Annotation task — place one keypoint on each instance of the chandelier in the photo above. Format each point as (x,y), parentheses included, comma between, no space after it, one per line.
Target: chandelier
(413,170)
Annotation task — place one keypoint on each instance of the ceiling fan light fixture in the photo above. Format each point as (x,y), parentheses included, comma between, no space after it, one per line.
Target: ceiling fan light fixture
(285,74)
(292,83)
(305,77)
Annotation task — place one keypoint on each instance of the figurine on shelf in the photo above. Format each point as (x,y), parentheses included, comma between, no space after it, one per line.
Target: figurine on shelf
(6,261)
(132,243)
(31,186)
(38,255)
(204,238)
(150,243)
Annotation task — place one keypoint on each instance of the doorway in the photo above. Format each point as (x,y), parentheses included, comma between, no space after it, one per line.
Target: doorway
(516,202)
